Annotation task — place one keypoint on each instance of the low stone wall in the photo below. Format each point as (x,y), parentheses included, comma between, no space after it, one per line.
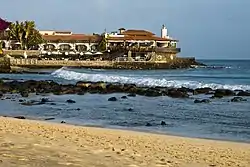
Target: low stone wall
(35,63)
(21,52)
(170,64)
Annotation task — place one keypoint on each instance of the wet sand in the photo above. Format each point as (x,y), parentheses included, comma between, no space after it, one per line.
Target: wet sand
(32,143)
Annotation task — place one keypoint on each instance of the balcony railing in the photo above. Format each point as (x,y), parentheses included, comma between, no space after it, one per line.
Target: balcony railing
(145,49)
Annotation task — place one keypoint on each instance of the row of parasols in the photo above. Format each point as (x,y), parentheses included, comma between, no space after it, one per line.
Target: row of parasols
(71,53)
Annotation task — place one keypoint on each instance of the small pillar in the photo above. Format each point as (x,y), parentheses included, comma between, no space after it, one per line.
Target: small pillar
(130,56)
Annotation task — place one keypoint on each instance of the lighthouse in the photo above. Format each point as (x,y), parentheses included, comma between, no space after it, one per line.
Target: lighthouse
(164,32)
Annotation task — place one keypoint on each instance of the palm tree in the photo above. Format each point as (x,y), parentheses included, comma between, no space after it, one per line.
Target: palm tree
(102,45)
(25,33)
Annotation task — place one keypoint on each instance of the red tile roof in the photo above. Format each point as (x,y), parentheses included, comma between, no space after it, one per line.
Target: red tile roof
(138,33)
(73,37)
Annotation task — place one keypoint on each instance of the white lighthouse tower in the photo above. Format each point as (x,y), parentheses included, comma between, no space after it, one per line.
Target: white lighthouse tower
(164,32)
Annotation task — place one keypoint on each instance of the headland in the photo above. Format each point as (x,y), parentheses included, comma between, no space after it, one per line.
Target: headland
(122,49)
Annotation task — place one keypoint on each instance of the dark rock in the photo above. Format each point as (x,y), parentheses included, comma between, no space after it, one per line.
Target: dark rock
(70,101)
(124,97)
(24,94)
(202,91)
(202,101)
(149,124)
(238,99)
(163,123)
(219,93)
(111,88)
(174,93)
(78,109)
(152,92)
(21,100)
(131,88)
(243,93)
(48,119)
(112,99)
(130,109)
(20,117)
(63,122)
(99,86)
(132,95)
(45,100)
(184,89)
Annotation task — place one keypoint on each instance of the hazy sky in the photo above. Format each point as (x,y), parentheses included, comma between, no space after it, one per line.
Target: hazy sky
(214,29)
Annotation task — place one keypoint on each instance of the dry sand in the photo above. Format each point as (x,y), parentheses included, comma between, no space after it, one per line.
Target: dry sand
(32,143)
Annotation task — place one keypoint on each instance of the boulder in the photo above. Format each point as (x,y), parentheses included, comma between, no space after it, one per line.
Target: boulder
(45,100)
(174,93)
(114,88)
(148,124)
(237,99)
(163,123)
(71,101)
(24,94)
(124,97)
(184,89)
(112,99)
(202,91)
(202,101)
(21,100)
(223,92)
(130,109)
(243,93)
(98,86)
(130,88)
(150,92)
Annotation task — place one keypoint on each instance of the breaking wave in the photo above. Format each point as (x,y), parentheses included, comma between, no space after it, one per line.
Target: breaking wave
(212,67)
(141,81)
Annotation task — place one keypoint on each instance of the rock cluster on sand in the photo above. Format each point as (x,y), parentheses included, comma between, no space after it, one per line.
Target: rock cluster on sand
(80,88)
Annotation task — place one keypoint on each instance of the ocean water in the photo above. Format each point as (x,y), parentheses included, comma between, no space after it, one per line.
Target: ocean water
(220,119)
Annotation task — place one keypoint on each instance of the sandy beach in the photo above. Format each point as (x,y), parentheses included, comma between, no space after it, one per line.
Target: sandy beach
(32,143)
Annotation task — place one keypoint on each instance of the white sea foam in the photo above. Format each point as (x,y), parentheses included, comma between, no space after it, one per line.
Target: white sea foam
(141,81)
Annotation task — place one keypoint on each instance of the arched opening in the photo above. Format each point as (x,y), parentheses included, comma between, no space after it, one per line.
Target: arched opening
(65,47)
(81,48)
(94,48)
(16,46)
(49,47)
(34,47)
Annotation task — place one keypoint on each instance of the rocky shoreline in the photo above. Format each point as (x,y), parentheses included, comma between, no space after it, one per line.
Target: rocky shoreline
(24,88)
